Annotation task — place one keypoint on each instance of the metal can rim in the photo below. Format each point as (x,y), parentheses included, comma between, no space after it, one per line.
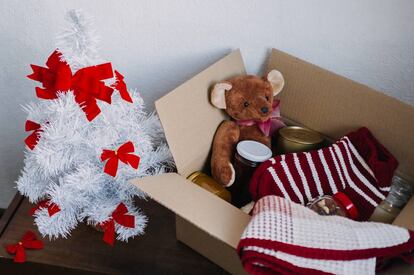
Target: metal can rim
(194,175)
(283,135)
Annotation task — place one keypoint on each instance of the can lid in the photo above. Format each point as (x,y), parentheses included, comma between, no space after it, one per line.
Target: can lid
(300,135)
(346,203)
(253,151)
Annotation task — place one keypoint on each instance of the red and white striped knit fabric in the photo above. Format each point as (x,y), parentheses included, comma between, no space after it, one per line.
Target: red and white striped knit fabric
(357,165)
(284,237)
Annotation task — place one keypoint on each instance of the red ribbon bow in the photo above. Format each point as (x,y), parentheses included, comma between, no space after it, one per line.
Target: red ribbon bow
(28,241)
(121,217)
(87,83)
(33,138)
(123,154)
(121,87)
(269,126)
(56,77)
(87,86)
(52,208)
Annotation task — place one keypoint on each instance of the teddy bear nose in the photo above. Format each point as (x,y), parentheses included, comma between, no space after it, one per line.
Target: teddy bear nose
(264,110)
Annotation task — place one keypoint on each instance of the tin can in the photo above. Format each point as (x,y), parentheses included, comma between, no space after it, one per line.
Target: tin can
(298,139)
(208,183)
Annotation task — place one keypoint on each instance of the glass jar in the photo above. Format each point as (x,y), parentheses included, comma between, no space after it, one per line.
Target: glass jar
(249,154)
(339,204)
(210,185)
(400,192)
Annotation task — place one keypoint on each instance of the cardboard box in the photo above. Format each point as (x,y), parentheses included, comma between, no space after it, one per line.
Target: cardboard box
(314,97)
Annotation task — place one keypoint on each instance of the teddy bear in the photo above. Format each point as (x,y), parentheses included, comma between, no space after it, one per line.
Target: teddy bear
(249,101)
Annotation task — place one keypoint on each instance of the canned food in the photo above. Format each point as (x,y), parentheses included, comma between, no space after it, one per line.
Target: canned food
(208,183)
(298,139)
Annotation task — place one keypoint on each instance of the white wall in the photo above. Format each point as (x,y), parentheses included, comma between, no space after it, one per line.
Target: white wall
(159,44)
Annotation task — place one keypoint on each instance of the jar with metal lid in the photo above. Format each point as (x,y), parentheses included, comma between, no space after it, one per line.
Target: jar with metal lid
(249,154)
(298,139)
(400,192)
(339,204)
(208,183)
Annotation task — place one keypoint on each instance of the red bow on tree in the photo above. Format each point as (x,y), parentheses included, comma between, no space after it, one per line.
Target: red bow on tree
(87,83)
(28,241)
(33,138)
(121,217)
(87,86)
(56,77)
(123,154)
(52,208)
(121,87)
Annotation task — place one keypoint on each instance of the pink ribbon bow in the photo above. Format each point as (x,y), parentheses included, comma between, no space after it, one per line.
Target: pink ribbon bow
(270,126)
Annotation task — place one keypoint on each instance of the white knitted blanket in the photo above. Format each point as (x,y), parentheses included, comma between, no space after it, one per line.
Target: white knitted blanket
(287,237)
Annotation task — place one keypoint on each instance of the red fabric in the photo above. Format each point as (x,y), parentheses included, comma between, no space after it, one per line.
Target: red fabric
(28,241)
(121,217)
(408,257)
(316,253)
(364,176)
(270,126)
(52,208)
(121,87)
(379,159)
(268,265)
(123,154)
(87,83)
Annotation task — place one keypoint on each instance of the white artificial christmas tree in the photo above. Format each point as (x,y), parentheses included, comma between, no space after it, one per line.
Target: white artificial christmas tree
(66,170)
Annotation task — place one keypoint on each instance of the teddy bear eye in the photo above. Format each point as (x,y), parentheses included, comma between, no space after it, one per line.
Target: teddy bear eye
(267,98)
(246,104)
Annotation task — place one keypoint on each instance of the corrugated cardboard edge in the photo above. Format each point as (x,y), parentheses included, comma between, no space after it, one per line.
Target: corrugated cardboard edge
(334,105)
(406,216)
(189,121)
(203,209)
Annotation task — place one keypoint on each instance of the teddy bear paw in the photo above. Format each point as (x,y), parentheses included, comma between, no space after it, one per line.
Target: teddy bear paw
(229,175)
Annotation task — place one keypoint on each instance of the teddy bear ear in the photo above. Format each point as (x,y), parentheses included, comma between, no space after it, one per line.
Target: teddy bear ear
(276,80)
(218,97)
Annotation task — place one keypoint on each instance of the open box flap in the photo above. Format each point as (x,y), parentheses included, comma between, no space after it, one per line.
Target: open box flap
(203,209)
(189,121)
(334,105)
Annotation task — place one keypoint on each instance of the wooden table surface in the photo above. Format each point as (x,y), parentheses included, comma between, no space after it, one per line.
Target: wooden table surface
(84,252)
